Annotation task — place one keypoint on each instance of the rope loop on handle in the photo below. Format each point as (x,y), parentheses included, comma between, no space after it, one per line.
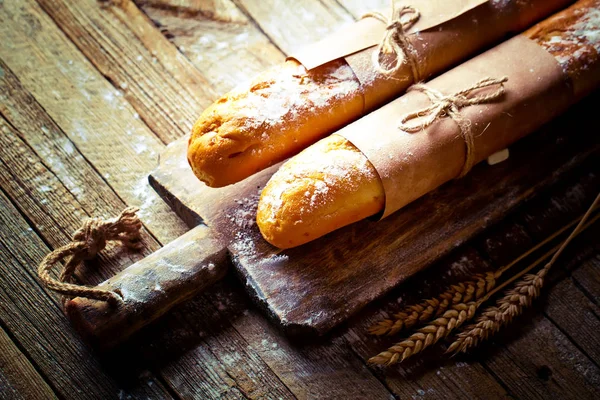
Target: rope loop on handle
(87,242)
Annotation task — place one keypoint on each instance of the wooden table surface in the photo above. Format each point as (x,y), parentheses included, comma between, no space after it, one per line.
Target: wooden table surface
(92,91)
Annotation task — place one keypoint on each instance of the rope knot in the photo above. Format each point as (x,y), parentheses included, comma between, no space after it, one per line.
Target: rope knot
(449,105)
(87,242)
(92,235)
(395,41)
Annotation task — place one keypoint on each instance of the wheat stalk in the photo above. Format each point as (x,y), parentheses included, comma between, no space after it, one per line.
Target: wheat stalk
(516,299)
(477,286)
(493,318)
(427,335)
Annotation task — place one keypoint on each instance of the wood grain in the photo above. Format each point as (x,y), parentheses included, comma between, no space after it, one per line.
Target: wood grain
(359,255)
(358,8)
(305,22)
(35,318)
(18,378)
(49,177)
(574,313)
(331,364)
(166,91)
(499,245)
(214,346)
(56,215)
(587,278)
(94,115)
(523,361)
(220,40)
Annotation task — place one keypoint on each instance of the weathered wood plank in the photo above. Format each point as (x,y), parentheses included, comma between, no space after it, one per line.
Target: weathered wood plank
(358,7)
(567,315)
(563,203)
(42,196)
(162,86)
(35,188)
(54,208)
(95,116)
(577,316)
(534,359)
(587,278)
(216,37)
(34,318)
(322,369)
(509,351)
(303,387)
(18,377)
(293,24)
(197,334)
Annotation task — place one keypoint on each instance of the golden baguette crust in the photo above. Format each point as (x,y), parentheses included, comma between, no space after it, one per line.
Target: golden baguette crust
(573,38)
(288,217)
(329,182)
(279,113)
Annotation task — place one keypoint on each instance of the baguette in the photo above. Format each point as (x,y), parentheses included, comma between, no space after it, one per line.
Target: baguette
(332,184)
(288,108)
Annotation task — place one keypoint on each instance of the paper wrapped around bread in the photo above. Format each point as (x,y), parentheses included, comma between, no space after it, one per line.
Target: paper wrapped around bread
(331,84)
(371,167)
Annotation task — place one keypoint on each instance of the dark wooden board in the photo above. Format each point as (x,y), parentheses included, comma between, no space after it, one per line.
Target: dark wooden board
(312,288)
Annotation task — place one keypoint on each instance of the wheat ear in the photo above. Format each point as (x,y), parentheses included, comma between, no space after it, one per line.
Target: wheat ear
(428,309)
(427,335)
(516,299)
(493,318)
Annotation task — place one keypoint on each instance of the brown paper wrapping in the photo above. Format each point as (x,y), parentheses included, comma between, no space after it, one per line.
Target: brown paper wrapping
(447,32)
(367,32)
(356,43)
(412,164)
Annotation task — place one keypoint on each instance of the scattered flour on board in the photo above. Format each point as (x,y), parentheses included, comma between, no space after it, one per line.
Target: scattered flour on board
(243,219)
(243,216)
(146,196)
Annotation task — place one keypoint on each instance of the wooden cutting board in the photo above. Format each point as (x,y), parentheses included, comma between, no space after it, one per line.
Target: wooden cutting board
(312,288)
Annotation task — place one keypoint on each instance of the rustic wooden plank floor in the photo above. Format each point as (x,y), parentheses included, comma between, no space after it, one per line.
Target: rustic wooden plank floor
(91,92)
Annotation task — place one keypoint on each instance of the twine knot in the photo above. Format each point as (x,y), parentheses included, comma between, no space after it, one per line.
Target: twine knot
(395,41)
(449,105)
(87,242)
(93,236)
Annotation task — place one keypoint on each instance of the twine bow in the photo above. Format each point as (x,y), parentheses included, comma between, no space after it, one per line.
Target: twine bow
(395,41)
(450,105)
(88,241)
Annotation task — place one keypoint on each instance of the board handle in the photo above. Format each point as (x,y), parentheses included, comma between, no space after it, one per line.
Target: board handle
(150,287)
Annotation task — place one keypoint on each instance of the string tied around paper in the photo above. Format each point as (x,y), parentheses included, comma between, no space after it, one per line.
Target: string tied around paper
(450,105)
(88,241)
(395,41)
